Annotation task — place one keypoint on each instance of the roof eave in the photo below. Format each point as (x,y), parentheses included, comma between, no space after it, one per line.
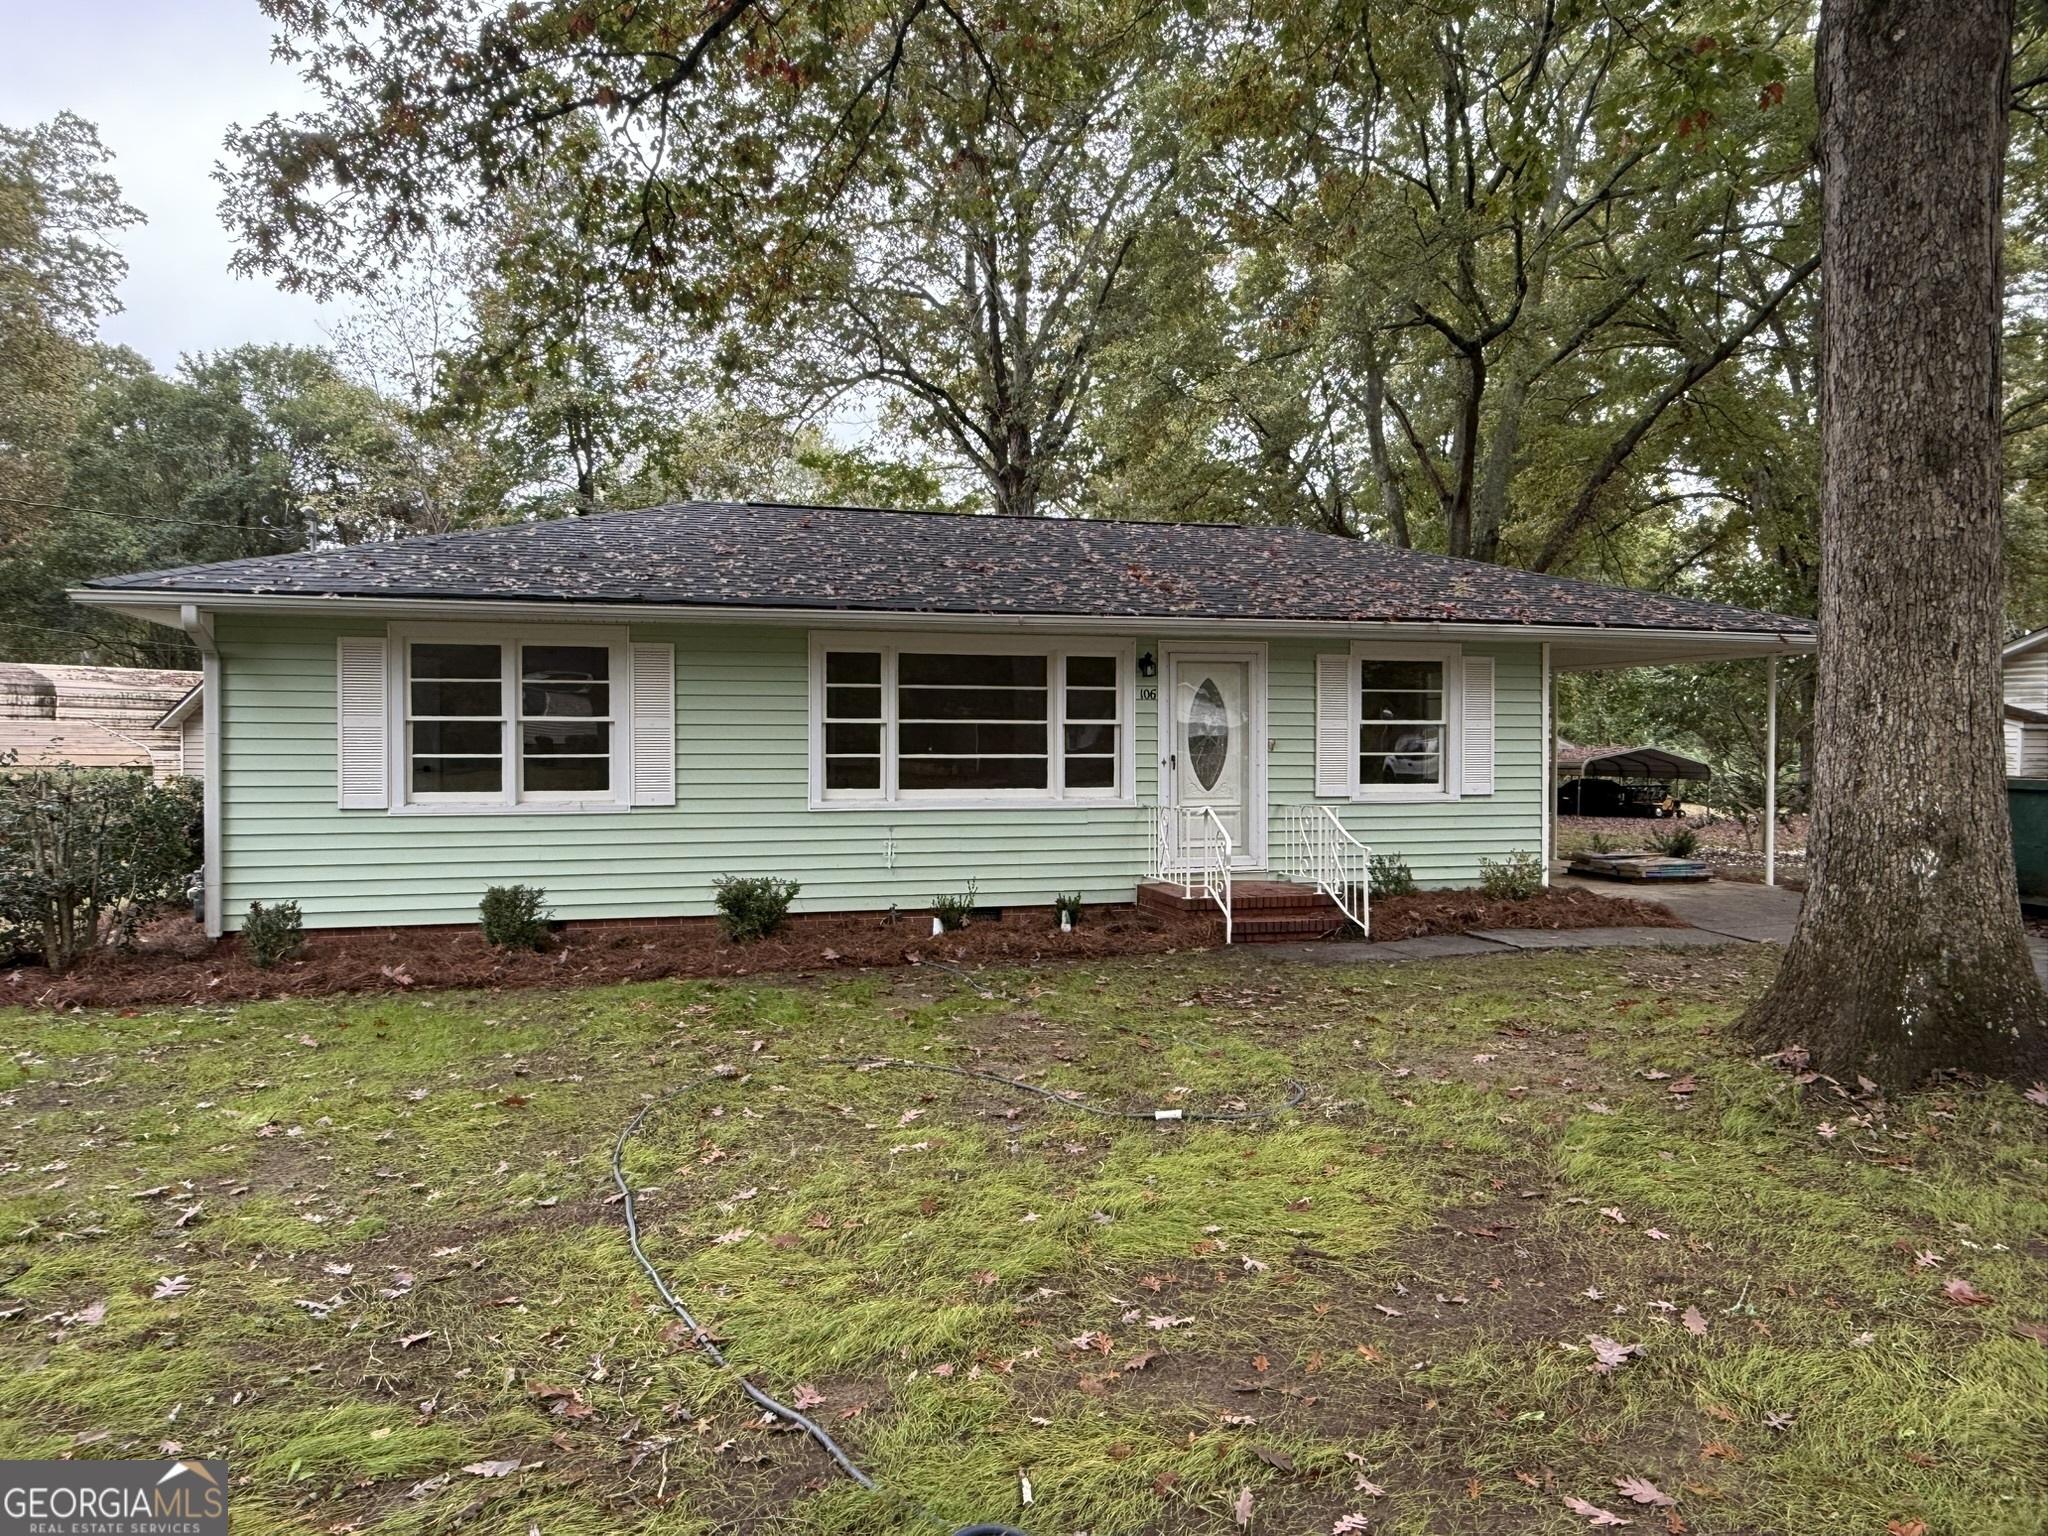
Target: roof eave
(1574,647)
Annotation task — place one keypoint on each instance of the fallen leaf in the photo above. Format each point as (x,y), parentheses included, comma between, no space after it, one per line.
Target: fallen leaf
(1279,1460)
(1695,1322)
(1964,1294)
(1594,1514)
(1346,1524)
(1778,1421)
(1160,1324)
(2038,1332)
(807,1397)
(2038,1094)
(407,1341)
(1138,1362)
(1906,1527)
(1643,1491)
(1610,1354)
(1683,1085)
(170,1286)
(1720,1450)
(1368,1487)
(1163,1484)
(493,1468)
(1241,1511)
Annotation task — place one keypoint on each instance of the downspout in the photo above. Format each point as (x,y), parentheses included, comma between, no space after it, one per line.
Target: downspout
(1771,771)
(1549,788)
(198,629)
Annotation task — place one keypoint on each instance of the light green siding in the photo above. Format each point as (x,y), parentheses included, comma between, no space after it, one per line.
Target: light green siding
(742,750)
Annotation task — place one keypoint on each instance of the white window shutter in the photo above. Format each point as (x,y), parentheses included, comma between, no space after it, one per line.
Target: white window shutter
(1336,745)
(363,723)
(1476,774)
(654,724)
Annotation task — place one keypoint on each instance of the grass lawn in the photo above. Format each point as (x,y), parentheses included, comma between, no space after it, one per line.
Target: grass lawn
(387,1227)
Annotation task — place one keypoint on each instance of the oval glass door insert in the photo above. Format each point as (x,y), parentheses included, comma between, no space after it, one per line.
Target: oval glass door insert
(1208,733)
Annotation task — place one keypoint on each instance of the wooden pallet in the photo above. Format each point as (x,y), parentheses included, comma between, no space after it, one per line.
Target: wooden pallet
(1642,867)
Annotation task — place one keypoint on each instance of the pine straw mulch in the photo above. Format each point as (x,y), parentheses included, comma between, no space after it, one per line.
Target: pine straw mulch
(175,962)
(1428,913)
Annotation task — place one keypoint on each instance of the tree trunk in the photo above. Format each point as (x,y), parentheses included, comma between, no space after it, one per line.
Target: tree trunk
(1909,957)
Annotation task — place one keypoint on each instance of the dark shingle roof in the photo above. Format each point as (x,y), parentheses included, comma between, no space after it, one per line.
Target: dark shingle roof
(722,554)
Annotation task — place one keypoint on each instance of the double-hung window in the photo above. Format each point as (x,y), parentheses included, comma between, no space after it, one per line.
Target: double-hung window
(1402,725)
(508,721)
(1404,720)
(473,718)
(928,721)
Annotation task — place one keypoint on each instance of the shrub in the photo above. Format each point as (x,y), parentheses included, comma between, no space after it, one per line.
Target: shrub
(1067,910)
(515,916)
(271,934)
(953,911)
(753,906)
(1681,842)
(1388,874)
(79,843)
(1514,878)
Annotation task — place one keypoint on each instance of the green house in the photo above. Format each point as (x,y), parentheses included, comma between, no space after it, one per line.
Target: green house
(882,705)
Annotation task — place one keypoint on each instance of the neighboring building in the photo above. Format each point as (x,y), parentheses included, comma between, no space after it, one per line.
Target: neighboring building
(882,705)
(2026,706)
(101,717)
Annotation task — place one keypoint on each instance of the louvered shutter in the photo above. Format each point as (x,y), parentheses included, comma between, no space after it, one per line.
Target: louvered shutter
(1336,745)
(363,723)
(654,724)
(1476,774)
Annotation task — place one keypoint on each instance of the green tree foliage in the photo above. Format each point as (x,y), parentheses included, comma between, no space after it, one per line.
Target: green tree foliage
(254,451)
(939,204)
(79,846)
(58,208)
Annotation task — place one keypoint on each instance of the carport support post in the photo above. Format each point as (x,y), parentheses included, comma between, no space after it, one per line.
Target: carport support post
(1771,771)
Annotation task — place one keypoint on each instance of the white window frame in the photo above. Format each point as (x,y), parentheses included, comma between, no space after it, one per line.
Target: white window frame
(1056,650)
(510,799)
(1452,764)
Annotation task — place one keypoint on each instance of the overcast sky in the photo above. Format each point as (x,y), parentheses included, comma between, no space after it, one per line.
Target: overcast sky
(163,79)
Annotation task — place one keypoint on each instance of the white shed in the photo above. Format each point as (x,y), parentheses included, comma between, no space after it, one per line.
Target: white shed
(2026,706)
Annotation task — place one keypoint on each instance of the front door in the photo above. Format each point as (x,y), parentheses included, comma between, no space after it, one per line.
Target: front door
(1210,758)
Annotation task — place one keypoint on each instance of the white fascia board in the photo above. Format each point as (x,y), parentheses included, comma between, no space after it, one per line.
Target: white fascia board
(2025,644)
(1576,647)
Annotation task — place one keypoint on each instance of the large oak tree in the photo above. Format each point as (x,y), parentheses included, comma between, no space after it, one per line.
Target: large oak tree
(1909,956)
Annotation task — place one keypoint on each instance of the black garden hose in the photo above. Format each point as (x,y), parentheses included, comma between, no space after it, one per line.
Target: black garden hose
(702,1337)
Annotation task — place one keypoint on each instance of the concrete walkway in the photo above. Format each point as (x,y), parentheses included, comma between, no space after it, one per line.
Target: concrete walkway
(1762,914)
(1719,911)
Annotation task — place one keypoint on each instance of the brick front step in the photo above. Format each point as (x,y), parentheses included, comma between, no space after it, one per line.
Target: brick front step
(1290,929)
(1264,911)
(1246,897)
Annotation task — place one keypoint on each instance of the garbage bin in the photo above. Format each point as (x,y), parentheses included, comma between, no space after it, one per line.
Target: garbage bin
(2028,801)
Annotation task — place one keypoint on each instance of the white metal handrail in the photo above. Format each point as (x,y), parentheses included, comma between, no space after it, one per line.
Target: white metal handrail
(1322,852)
(1191,848)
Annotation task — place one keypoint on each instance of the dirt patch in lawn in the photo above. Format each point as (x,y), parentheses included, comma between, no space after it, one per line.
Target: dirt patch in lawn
(1427,913)
(175,962)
